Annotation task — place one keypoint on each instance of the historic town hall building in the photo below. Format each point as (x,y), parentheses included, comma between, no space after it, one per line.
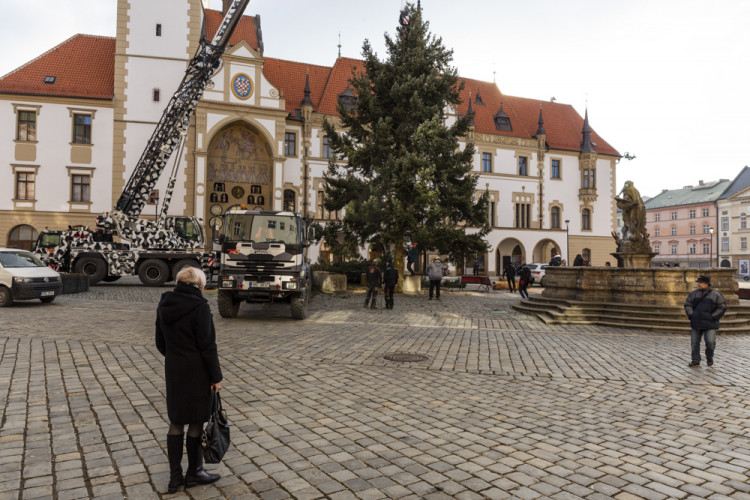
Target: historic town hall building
(76,119)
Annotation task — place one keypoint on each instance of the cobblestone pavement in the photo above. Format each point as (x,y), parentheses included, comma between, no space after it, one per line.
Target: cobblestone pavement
(504,406)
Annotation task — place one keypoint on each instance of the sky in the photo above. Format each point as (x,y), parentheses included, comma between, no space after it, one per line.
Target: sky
(664,80)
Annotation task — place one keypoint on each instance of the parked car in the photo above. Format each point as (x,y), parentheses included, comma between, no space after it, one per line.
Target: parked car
(24,277)
(537,271)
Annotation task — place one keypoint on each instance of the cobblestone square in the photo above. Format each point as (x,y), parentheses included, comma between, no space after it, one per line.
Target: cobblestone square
(504,406)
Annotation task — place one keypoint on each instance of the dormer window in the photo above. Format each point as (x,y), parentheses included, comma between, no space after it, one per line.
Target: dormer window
(479,100)
(50,79)
(502,121)
(348,99)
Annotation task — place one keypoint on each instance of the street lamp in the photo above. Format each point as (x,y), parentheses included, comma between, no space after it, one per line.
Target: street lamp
(567,241)
(711,253)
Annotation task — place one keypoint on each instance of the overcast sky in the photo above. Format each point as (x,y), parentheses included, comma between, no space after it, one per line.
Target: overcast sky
(665,80)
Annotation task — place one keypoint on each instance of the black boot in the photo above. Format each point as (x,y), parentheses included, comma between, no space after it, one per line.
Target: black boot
(196,474)
(174,452)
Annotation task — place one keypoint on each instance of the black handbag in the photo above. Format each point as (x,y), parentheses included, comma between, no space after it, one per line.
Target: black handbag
(215,437)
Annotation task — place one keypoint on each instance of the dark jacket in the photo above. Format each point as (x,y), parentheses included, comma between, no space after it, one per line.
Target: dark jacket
(390,278)
(705,308)
(374,276)
(578,260)
(509,271)
(185,335)
(525,273)
(556,261)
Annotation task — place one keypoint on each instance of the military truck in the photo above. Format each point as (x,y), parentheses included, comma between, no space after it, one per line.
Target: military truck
(262,259)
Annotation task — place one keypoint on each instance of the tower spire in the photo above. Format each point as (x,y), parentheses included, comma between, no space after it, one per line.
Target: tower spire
(586,145)
(339,57)
(306,100)
(540,130)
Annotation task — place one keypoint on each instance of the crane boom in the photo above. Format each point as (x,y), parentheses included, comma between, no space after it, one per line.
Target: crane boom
(176,118)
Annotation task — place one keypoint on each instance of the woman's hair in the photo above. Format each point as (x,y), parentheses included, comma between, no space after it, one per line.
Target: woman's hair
(193,276)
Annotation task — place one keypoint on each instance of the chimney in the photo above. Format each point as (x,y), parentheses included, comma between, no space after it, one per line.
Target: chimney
(700,183)
(225,6)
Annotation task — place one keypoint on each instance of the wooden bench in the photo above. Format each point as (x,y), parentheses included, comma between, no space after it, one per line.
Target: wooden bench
(483,281)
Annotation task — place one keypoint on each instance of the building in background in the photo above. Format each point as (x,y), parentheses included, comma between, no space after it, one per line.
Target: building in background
(78,117)
(733,229)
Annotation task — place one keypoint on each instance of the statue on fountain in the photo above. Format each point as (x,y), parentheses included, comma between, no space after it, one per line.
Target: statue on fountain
(633,246)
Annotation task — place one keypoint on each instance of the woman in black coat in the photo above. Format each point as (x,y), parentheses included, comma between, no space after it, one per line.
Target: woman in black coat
(186,337)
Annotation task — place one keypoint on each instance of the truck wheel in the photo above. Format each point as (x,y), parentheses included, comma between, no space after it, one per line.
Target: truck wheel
(47,300)
(299,305)
(228,307)
(93,267)
(153,272)
(6,297)
(182,264)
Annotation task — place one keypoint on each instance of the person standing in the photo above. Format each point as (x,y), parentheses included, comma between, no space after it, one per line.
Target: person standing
(523,283)
(374,280)
(578,261)
(704,307)
(556,260)
(390,279)
(435,274)
(411,258)
(510,274)
(185,335)
(476,267)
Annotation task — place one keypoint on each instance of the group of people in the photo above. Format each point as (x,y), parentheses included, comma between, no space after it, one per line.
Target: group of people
(524,278)
(376,278)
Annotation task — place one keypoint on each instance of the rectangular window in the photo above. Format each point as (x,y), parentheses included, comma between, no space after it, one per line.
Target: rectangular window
(81,188)
(586,181)
(706,247)
(673,249)
(25,185)
(158,30)
(327,152)
(725,244)
(555,172)
(691,248)
(26,126)
(674,231)
(743,221)
(657,217)
(157,95)
(656,248)
(657,231)
(523,165)
(725,223)
(692,229)
(705,228)
(492,214)
(705,212)
(325,214)
(586,219)
(743,243)
(523,215)
(593,181)
(692,214)
(290,144)
(674,215)
(81,129)
(486,162)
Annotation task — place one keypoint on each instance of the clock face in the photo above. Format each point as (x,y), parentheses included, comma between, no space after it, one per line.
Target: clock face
(216,222)
(216,210)
(238,192)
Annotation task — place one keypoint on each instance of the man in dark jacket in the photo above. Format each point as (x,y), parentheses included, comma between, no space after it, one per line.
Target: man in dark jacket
(390,278)
(524,274)
(411,258)
(510,274)
(374,279)
(704,306)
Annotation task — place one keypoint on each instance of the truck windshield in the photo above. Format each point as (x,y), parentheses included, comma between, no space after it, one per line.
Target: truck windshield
(186,228)
(19,258)
(261,228)
(48,240)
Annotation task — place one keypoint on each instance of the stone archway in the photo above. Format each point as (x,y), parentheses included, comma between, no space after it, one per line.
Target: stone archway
(240,170)
(22,237)
(509,251)
(544,250)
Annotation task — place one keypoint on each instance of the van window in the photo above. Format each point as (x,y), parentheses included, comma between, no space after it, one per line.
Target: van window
(19,259)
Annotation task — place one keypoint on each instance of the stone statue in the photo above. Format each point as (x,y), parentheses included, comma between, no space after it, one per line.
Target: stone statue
(634,235)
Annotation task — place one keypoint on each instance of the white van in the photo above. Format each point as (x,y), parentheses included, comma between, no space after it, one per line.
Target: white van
(24,277)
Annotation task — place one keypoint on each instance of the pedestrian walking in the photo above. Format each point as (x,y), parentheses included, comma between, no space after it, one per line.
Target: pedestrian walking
(704,306)
(510,274)
(374,280)
(523,283)
(476,267)
(390,279)
(411,258)
(435,274)
(186,337)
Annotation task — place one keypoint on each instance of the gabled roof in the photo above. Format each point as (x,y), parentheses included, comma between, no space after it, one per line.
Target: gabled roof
(246,29)
(83,66)
(289,76)
(738,184)
(689,195)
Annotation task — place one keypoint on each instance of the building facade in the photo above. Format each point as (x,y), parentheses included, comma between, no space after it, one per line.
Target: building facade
(733,229)
(79,116)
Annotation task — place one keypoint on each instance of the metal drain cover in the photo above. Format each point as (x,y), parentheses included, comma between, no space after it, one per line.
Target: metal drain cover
(405,357)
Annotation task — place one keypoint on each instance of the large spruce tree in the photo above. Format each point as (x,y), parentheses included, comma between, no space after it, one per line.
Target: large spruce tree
(398,171)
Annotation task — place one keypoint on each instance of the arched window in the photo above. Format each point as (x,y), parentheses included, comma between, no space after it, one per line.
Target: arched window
(22,237)
(586,219)
(289,200)
(555,217)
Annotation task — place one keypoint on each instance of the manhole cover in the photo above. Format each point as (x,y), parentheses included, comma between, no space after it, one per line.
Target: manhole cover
(405,357)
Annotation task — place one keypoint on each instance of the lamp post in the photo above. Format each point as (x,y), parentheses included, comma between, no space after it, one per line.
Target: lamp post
(711,253)
(567,241)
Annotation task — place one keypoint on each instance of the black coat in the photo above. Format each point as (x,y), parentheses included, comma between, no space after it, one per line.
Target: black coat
(390,278)
(705,308)
(186,337)
(374,276)
(578,261)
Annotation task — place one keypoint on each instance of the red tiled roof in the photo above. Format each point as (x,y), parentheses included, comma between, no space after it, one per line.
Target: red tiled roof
(245,29)
(83,66)
(562,122)
(290,76)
